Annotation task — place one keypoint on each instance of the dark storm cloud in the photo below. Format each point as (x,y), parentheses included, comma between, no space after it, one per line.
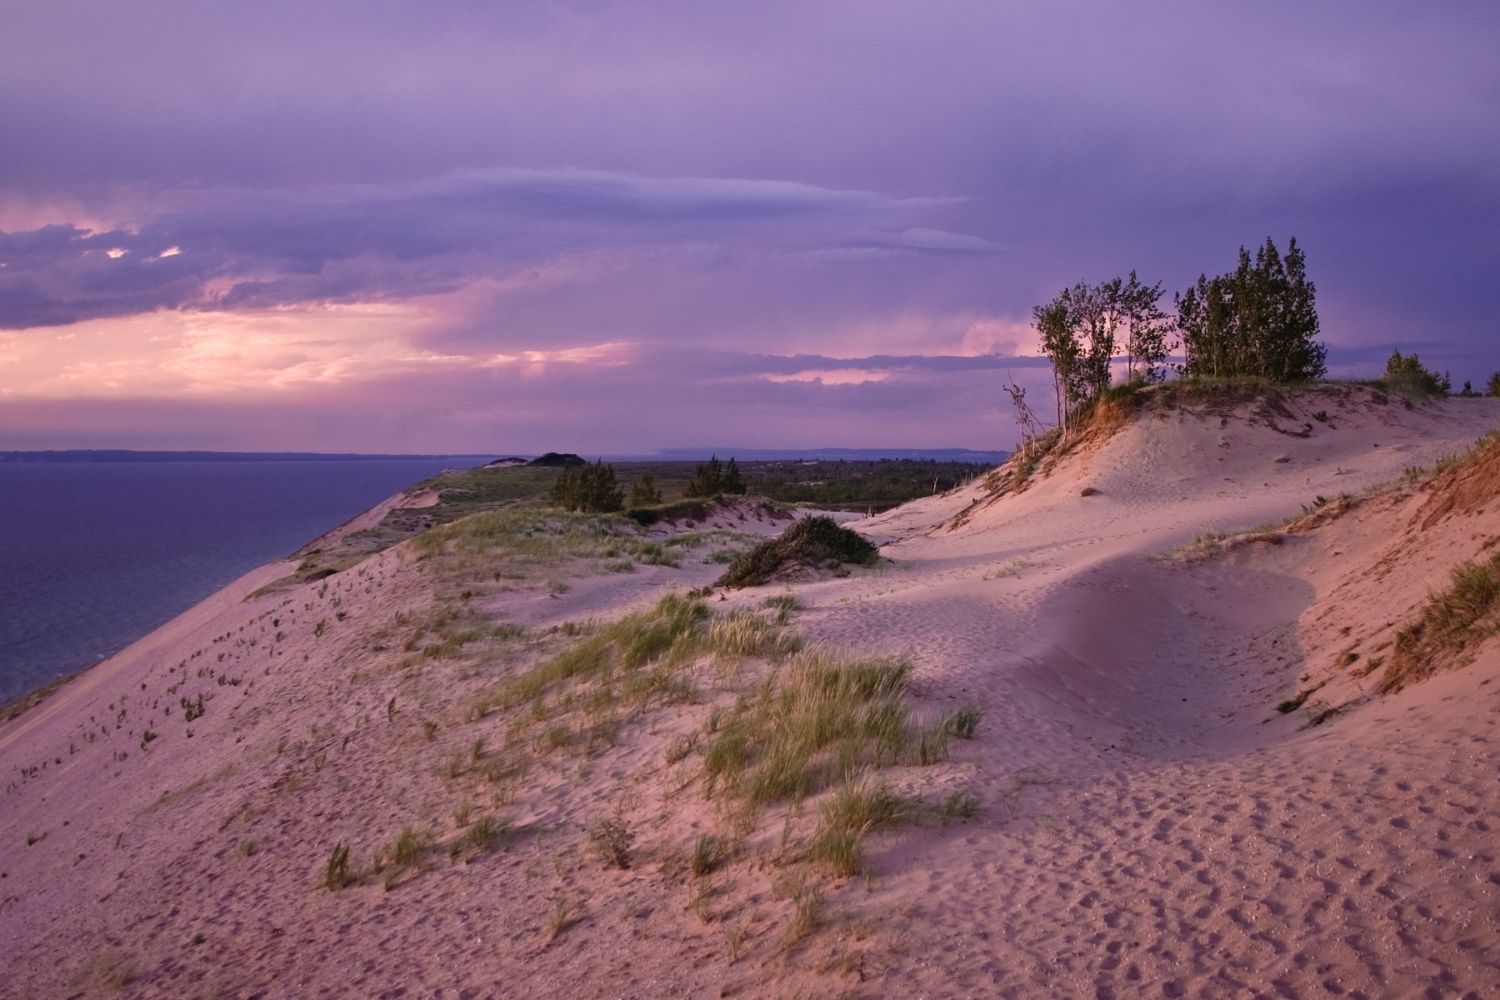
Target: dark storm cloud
(412,238)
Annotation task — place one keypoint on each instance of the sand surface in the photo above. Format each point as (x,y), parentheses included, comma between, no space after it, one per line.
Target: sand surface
(1148,824)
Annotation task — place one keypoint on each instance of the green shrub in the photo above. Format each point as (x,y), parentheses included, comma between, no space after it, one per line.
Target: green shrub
(644,493)
(812,541)
(1406,376)
(589,488)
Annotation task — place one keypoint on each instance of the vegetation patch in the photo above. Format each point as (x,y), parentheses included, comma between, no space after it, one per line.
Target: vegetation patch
(857,808)
(1448,627)
(815,722)
(810,542)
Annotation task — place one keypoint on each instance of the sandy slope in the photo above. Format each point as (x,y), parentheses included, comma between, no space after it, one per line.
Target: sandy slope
(1149,825)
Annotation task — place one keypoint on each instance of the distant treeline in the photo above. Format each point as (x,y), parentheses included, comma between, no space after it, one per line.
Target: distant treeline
(883,482)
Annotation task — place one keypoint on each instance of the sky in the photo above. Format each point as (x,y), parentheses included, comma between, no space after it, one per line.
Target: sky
(608,227)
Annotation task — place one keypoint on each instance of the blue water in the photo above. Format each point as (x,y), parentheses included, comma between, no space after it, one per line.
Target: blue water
(93,555)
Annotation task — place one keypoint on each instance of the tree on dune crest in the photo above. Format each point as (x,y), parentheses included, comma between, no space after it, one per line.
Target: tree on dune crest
(1259,320)
(1083,330)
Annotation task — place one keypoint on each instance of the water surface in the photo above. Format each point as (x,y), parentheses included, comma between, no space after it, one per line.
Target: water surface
(93,555)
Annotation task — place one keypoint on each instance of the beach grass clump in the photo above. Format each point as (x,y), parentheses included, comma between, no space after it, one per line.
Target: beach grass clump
(482,835)
(1451,622)
(669,633)
(337,872)
(743,633)
(962,804)
(785,605)
(709,852)
(815,542)
(854,810)
(565,914)
(408,849)
(107,971)
(963,722)
(819,718)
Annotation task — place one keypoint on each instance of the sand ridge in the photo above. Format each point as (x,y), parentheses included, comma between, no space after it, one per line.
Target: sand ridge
(1148,824)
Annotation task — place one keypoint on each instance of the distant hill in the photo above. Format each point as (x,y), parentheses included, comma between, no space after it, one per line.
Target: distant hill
(560,460)
(831,454)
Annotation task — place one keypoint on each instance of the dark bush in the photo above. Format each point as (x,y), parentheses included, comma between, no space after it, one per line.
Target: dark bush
(812,541)
(560,460)
(680,510)
(1407,376)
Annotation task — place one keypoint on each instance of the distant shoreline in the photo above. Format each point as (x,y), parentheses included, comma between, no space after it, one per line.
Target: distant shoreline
(126,455)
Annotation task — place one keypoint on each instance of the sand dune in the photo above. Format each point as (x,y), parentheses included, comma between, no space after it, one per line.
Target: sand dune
(1148,824)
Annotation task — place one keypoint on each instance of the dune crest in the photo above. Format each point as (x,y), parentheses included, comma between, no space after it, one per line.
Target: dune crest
(1133,815)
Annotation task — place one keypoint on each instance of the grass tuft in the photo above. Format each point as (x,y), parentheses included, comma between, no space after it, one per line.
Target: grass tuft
(564,915)
(709,853)
(337,874)
(963,722)
(482,835)
(858,807)
(814,721)
(610,840)
(1450,623)
(960,805)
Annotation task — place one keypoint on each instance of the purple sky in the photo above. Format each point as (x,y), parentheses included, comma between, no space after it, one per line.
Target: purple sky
(609,227)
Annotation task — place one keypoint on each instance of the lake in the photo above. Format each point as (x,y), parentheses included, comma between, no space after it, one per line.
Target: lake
(93,555)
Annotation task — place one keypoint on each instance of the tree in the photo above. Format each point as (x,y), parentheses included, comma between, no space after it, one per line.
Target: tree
(590,488)
(1025,419)
(1405,374)
(1060,344)
(1259,320)
(1146,329)
(708,479)
(712,478)
(733,482)
(645,493)
(1082,329)
(1492,387)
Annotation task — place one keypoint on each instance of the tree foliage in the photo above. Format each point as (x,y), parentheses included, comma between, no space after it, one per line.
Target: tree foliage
(590,487)
(712,478)
(1492,387)
(1259,320)
(1405,374)
(1087,326)
(644,493)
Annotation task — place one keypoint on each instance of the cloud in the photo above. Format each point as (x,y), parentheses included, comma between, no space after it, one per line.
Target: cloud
(237,248)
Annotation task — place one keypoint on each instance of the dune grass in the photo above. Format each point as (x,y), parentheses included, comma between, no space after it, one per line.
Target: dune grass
(533,542)
(853,811)
(1447,626)
(815,721)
